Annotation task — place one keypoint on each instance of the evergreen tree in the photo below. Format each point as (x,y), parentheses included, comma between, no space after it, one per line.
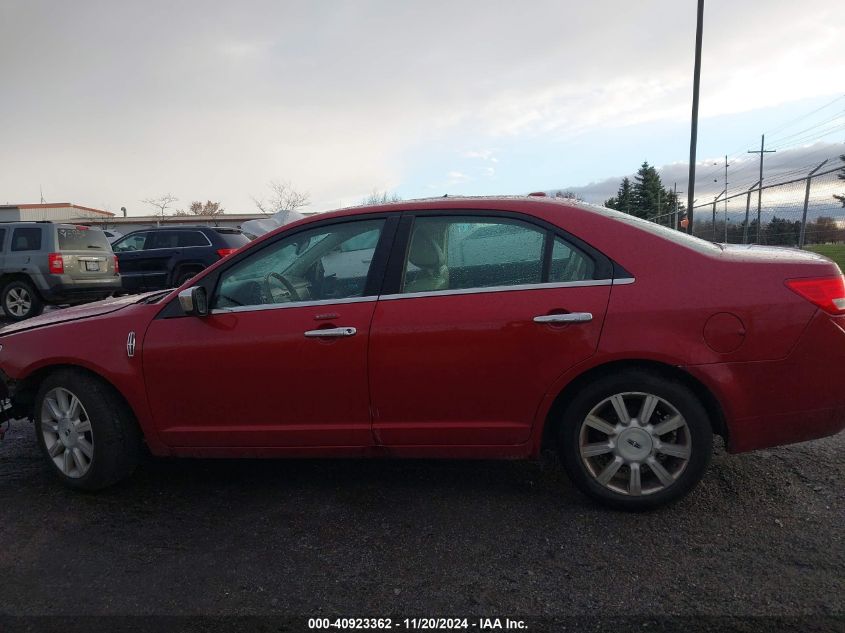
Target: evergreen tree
(624,198)
(648,192)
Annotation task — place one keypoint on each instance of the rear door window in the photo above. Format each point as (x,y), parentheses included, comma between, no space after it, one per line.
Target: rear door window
(26,238)
(81,238)
(163,239)
(2,239)
(458,253)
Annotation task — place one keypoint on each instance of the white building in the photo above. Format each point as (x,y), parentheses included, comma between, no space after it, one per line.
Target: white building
(52,211)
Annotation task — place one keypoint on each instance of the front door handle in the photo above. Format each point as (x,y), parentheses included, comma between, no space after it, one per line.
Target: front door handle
(334,332)
(567,317)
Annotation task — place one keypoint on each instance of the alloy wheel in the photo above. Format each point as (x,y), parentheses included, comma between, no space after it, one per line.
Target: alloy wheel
(18,302)
(635,443)
(67,432)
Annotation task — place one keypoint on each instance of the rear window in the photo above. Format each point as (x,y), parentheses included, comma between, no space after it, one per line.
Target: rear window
(233,239)
(80,239)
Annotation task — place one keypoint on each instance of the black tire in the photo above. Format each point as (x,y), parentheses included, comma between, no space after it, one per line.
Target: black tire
(11,296)
(184,275)
(697,435)
(114,433)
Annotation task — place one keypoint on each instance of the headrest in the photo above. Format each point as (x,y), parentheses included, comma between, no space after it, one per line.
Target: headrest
(425,252)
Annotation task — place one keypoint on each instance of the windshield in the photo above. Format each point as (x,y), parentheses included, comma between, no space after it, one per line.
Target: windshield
(80,238)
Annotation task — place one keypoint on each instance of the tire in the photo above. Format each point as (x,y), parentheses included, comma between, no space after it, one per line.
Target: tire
(102,439)
(20,300)
(623,465)
(183,276)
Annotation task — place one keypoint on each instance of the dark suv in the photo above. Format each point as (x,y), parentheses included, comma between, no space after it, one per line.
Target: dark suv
(46,263)
(151,259)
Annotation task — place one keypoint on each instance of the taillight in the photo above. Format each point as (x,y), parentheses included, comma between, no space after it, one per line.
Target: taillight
(116,265)
(828,293)
(225,251)
(57,263)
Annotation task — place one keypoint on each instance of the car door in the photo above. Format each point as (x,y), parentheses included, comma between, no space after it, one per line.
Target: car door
(161,249)
(130,256)
(2,247)
(485,313)
(281,361)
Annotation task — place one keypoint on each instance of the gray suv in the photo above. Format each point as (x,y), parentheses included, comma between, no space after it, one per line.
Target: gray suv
(46,263)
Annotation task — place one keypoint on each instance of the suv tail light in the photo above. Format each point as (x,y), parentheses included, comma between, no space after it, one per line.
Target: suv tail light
(828,293)
(57,263)
(225,251)
(116,265)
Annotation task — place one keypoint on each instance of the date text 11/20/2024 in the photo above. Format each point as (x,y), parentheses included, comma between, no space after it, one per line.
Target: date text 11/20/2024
(430,624)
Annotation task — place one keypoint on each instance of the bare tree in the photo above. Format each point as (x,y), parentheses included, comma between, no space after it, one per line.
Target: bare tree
(162,203)
(283,197)
(380,197)
(568,194)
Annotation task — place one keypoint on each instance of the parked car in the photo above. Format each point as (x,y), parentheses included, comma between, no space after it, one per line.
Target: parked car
(395,331)
(153,259)
(45,263)
(112,235)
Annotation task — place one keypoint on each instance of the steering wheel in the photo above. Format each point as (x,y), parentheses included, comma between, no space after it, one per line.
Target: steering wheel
(294,295)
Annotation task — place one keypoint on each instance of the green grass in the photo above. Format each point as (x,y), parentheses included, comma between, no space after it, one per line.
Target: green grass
(836,252)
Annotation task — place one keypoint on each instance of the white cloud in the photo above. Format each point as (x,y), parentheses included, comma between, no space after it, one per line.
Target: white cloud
(154,97)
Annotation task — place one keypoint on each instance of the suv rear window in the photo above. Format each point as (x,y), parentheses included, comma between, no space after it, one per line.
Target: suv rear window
(233,239)
(80,239)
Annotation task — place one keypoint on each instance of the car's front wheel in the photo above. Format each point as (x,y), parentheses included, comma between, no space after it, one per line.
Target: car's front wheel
(86,431)
(636,440)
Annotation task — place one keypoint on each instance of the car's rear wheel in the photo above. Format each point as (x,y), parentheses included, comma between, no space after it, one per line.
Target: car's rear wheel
(636,440)
(86,431)
(20,300)
(184,275)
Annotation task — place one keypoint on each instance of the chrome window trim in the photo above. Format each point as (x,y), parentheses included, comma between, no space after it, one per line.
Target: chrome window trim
(435,293)
(518,287)
(166,248)
(295,304)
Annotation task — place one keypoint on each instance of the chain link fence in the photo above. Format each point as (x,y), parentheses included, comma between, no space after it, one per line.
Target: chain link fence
(797,212)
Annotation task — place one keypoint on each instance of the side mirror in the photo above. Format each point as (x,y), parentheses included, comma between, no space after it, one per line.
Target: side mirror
(194,301)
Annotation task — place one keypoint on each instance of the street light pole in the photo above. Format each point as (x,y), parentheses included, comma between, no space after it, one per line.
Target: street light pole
(696,76)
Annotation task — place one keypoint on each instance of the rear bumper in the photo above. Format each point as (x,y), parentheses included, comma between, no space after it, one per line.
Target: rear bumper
(797,399)
(65,290)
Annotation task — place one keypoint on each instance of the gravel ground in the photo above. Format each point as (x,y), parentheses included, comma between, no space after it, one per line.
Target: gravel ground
(761,536)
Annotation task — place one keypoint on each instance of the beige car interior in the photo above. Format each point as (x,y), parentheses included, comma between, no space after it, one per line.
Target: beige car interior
(428,253)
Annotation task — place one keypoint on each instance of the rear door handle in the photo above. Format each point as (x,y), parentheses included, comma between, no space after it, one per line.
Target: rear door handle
(334,332)
(568,317)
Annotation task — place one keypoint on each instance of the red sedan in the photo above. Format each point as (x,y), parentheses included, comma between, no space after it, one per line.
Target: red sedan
(460,328)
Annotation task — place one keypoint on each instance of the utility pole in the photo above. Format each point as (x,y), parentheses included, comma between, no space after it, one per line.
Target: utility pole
(761,151)
(726,198)
(696,76)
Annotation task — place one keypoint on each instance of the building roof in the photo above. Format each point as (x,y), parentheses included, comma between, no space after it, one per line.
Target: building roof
(177,219)
(56,205)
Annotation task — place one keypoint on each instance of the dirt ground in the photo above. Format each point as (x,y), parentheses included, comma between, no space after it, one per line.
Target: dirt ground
(761,537)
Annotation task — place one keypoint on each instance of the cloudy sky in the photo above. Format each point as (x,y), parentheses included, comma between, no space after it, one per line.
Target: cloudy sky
(106,103)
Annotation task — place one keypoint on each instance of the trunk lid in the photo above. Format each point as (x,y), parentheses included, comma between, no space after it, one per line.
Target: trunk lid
(793,261)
